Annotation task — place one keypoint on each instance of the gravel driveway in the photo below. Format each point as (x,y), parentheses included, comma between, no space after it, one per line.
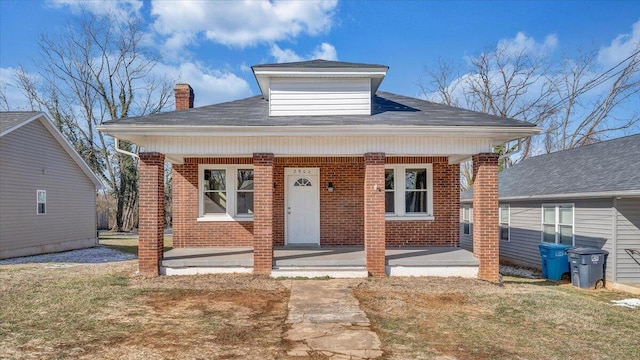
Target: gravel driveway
(94,255)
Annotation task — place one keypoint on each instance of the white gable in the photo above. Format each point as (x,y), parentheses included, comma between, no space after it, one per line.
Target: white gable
(319,96)
(319,87)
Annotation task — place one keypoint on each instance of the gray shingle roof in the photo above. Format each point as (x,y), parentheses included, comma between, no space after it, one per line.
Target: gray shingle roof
(320,64)
(9,119)
(608,166)
(389,109)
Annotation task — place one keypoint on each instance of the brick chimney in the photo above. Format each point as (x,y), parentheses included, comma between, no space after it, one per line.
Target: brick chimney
(184,96)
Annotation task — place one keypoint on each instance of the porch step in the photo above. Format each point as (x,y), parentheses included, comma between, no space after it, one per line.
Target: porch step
(203,270)
(336,272)
(466,271)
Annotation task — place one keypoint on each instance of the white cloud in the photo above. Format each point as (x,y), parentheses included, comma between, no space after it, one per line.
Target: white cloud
(123,8)
(240,23)
(523,44)
(284,55)
(210,86)
(621,47)
(324,51)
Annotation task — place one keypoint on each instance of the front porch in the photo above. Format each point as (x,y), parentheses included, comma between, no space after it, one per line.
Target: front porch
(352,221)
(336,262)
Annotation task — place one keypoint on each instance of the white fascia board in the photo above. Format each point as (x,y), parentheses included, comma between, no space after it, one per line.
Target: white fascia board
(498,134)
(328,72)
(582,195)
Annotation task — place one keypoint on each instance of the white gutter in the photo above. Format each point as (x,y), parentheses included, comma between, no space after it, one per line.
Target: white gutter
(328,130)
(600,194)
(116,144)
(316,73)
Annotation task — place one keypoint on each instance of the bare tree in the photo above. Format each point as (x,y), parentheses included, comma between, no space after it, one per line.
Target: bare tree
(443,82)
(4,102)
(95,70)
(525,86)
(584,118)
(499,83)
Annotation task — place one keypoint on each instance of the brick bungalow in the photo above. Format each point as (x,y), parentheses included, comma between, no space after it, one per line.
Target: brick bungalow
(320,158)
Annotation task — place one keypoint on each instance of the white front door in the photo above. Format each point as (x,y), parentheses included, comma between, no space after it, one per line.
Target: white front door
(302,207)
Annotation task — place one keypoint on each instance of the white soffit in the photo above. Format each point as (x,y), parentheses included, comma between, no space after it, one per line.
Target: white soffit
(176,148)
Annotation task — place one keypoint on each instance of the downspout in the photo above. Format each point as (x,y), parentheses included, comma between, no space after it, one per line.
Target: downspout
(614,240)
(518,149)
(116,144)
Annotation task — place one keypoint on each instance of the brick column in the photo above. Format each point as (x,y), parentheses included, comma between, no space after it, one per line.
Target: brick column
(262,213)
(485,215)
(374,225)
(151,213)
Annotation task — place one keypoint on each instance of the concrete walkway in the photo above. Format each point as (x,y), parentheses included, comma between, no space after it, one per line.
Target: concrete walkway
(325,317)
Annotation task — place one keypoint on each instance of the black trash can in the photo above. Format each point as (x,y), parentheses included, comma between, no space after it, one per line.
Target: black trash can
(587,267)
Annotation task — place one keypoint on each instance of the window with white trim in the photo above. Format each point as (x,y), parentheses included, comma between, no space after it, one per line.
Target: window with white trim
(505,226)
(41,202)
(408,192)
(466,220)
(389,192)
(557,224)
(226,192)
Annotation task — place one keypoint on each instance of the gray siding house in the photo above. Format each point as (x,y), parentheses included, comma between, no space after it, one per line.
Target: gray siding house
(584,197)
(47,192)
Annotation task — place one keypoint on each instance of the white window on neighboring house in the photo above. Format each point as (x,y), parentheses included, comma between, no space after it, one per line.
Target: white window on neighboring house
(505,226)
(466,220)
(226,192)
(41,202)
(408,192)
(557,224)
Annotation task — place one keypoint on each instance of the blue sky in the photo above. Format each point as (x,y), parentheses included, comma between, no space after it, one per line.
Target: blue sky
(212,44)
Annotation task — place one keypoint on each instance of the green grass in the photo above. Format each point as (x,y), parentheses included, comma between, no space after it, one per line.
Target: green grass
(51,312)
(129,244)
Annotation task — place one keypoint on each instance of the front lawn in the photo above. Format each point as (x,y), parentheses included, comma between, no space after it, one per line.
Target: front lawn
(423,318)
(105,311)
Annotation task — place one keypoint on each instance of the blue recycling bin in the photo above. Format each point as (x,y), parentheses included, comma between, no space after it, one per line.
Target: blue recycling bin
(554,260)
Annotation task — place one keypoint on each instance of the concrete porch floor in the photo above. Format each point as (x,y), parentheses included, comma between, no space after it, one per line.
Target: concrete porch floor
(339,261)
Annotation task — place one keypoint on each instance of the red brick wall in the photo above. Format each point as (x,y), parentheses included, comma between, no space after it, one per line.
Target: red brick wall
(187,231)
(341,211)
(485,215)
(445,229)
(151,212)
